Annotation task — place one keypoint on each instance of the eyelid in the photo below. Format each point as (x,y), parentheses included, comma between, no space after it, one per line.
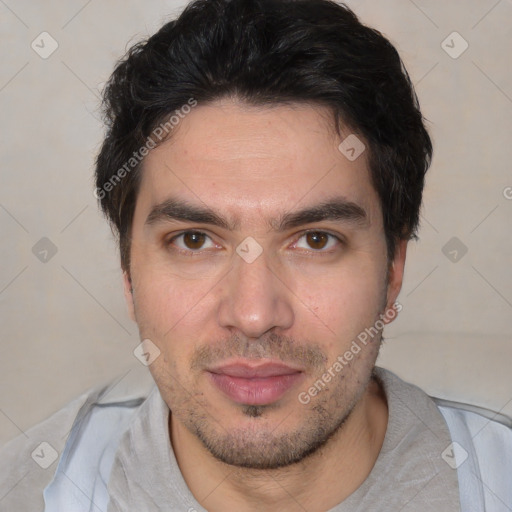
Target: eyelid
(340,240)
(338,237)
(169,240)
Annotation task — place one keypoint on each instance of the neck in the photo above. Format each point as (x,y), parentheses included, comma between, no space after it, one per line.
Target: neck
(318,483)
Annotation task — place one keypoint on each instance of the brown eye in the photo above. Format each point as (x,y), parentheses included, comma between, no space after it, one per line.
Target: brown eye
(193,240)
(317,240)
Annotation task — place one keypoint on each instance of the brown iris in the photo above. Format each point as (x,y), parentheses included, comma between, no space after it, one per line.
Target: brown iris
(194,240)
(317,240)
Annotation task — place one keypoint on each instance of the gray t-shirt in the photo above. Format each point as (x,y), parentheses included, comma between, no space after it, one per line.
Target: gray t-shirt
(409,475)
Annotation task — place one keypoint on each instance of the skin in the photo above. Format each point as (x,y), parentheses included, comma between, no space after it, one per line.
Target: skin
(302,301)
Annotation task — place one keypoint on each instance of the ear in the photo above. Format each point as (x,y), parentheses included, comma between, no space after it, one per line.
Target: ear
(128,294)
(395,278)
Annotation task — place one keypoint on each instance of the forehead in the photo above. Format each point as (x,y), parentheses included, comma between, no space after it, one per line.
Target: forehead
(242,159)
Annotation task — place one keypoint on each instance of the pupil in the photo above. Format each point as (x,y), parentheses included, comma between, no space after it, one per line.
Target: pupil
(317,240)
(194,240)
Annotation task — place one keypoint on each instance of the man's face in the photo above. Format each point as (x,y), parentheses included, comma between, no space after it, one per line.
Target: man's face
(258,255)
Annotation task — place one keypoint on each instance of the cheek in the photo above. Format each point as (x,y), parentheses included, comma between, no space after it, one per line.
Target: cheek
(174,313)
(340,304)
(163,300)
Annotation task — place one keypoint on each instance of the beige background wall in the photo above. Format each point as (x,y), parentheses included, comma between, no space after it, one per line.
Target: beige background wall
(64,326)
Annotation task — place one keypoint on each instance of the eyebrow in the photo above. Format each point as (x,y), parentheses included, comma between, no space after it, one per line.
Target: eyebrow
(335,209)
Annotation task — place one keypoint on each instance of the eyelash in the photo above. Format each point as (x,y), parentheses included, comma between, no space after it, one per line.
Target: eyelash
(191,252)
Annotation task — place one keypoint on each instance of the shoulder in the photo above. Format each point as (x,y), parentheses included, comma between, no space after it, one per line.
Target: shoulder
(483,426)
(30,461)
(481,452)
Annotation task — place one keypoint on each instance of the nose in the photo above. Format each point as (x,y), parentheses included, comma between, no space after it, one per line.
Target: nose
(254,299)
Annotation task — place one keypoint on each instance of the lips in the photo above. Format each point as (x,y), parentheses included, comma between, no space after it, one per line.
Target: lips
(261,384)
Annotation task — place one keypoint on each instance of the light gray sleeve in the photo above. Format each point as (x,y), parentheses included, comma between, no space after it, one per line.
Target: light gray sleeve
(28,462)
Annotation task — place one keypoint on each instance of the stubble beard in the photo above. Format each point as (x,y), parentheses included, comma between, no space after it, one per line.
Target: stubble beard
(260,448)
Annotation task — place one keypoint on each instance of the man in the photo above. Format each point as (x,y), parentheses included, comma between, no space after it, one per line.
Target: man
(263,167)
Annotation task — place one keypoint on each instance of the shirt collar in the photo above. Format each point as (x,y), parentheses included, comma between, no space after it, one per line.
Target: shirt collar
(409,473)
